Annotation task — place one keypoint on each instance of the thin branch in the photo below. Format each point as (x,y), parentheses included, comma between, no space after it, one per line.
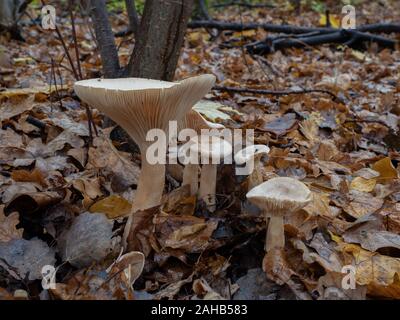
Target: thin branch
(244,4)
(75,40)
(274,92)
(286,28)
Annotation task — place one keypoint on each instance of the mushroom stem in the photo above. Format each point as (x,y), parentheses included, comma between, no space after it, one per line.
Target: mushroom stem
(276,234)
(150,186)
(208,185)
(191,177)
(148,193)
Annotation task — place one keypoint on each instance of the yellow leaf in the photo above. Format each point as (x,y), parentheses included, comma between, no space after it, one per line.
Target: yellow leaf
(386,169)
(363,185)
(358,55)
(113,207)
(213,110)
(245,33)
(334,19)
(381,274)
(196,38)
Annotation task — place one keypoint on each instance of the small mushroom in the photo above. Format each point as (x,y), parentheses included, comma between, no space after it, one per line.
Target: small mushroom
(279,197)
(211,150)
(251,157)
(194,120)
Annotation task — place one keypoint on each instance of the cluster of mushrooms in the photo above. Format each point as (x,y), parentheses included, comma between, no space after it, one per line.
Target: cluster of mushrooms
(139,105)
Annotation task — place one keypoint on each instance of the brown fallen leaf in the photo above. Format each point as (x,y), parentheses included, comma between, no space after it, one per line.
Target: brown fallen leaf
(362,203)
(128,268)
(381,274)
(281,125)
(173,289)
(188,233)
(330,288)
(8,226)
(386,170)
(363,185)
(113,207)
(202,289)
(29,176)
(33,201)
(89,188)
(372,240)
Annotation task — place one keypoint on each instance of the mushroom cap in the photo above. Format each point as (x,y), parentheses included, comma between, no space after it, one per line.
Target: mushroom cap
(209,147)
(280,196)
(139,105)
(194,120)
(248,153)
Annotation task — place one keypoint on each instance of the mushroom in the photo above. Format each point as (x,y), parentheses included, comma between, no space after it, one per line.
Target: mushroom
(194,120)
(139,105)
(251,157)
(211,149)
(279,197)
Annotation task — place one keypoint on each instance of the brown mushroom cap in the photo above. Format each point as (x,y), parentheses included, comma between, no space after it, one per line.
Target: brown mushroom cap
(139,105)
(280,196)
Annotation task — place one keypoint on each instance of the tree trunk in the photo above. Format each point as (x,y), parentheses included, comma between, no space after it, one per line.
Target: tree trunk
(133,17)
(161,36)
(105,38)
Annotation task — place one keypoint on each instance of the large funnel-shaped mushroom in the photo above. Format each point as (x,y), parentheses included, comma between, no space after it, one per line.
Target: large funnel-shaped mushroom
(139,105)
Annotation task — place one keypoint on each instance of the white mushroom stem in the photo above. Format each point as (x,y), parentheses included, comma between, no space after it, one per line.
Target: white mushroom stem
(191,177)
(275,234)
(208,185)
(149,192)
(150,186)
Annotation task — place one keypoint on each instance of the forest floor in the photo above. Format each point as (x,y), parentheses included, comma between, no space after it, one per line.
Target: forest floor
(345,149)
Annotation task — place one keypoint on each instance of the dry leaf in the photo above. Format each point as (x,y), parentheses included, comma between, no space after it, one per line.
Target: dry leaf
(380,273)
(363,185)
(8,226)
(386,170)
(113,207)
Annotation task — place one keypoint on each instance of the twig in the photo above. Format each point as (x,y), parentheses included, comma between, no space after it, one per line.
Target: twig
(275,92)
(59,36)
(71,13)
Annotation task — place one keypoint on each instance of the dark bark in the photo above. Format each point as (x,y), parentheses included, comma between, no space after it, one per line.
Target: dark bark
(202,8)
(133,17)
(105,38)
(160,40)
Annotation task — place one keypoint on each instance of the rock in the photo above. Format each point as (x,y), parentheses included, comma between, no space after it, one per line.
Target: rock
(88,240)
(26,257)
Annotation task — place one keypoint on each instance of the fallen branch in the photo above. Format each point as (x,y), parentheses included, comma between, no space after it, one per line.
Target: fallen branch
(275,92)
(289,29)
(243,4)
(348,37)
